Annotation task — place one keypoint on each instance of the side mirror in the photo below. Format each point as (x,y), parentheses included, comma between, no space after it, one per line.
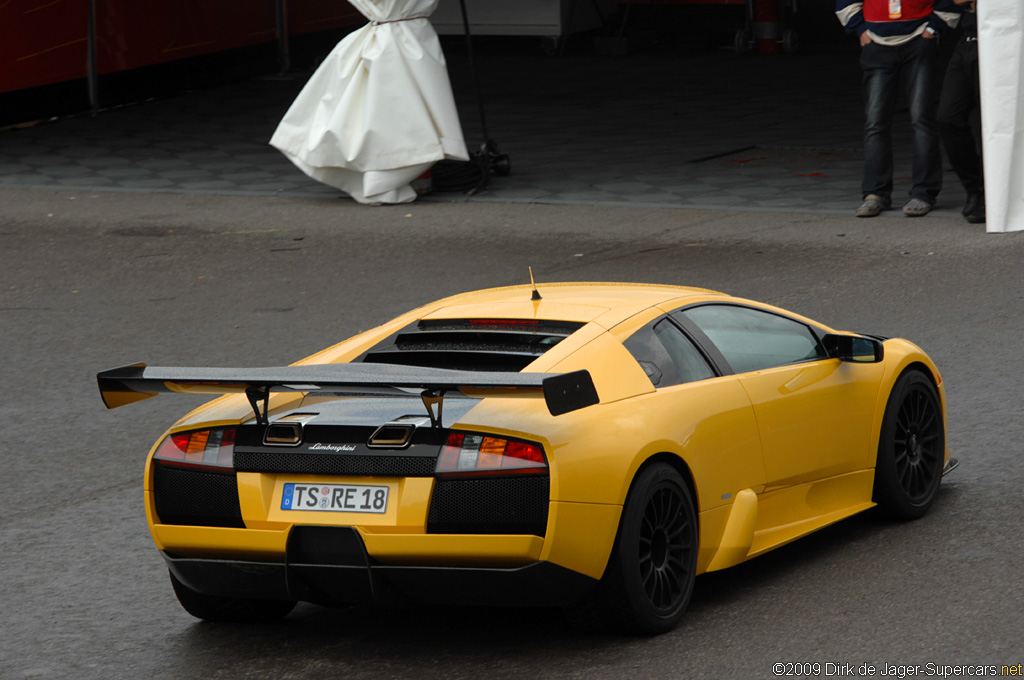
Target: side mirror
(854,348)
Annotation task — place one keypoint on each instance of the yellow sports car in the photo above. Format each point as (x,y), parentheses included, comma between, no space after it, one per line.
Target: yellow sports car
(590,445)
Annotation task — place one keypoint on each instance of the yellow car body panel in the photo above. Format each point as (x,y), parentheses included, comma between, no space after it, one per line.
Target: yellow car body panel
(267,545)
(815,419)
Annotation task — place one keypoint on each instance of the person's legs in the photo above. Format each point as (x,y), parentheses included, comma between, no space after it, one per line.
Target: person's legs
(960,98)
(919,58)
(881,80)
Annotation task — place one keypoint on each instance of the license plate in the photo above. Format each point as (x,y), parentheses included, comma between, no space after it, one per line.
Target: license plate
(335,498)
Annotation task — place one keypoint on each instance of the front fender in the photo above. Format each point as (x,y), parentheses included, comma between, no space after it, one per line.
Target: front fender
(901,355)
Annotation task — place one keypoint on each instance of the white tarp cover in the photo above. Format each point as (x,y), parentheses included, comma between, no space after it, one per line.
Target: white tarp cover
(1001,65)
(379,111)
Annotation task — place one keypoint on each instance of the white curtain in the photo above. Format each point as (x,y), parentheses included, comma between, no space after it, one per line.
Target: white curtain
(379,111)
(1001,65)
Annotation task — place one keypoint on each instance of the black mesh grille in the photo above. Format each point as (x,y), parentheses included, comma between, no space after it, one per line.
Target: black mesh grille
(459,361)
(334,464)
(196,498)
(509,505)
(528,326)
(471,344)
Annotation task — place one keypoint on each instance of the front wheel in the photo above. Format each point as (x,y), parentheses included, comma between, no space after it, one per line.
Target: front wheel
(911,448)
(232,609)
(649,578)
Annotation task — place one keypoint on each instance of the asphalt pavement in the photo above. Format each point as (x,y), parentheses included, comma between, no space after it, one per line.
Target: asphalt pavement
(95,279)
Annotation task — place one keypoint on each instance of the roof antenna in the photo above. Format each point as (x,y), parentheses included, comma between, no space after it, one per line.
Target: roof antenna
(536,293)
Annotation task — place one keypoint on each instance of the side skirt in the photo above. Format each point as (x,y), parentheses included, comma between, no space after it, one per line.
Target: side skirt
(787,514)
(759,523)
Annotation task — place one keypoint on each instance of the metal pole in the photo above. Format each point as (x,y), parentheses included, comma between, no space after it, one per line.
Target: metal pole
(472,70)
(92,75)
(283,54)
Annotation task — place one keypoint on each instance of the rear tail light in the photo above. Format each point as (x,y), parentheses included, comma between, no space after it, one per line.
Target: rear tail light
(466,453)
(200,448)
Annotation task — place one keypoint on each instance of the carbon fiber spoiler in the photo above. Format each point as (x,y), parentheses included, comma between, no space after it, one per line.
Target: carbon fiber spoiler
(562,392)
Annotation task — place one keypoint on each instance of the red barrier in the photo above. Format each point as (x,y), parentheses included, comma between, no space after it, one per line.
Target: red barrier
(45,41)
(41,42)
(768,26)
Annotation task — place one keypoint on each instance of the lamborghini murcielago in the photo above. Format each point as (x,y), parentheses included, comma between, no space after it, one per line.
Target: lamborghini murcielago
(595,446)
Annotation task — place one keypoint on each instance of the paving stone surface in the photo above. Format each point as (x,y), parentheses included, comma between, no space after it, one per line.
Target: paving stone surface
(656,129)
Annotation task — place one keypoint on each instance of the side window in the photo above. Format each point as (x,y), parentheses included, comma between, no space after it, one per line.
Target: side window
(686,359)
(667,355)
(752,340)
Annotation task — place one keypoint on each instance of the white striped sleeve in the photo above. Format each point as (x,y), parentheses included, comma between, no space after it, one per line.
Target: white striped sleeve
(847,13)
(951,18)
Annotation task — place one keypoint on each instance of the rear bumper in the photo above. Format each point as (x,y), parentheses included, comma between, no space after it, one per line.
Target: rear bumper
(330,566)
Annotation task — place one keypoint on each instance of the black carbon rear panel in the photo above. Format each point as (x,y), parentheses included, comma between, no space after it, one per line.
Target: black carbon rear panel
(507,505)
(334,464)
(196,498)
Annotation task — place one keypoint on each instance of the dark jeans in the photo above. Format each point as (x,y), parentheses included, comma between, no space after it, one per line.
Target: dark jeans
(960,98)
(886,69)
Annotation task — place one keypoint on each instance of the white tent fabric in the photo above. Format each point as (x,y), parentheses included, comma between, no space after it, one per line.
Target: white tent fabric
(1001,66)
(379,111)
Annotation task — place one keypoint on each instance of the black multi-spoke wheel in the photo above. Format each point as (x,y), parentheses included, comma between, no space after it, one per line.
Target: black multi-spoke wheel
(911,448)
(665,548)
(650,573)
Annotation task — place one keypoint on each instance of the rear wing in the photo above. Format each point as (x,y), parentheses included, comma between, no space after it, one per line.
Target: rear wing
(562,392)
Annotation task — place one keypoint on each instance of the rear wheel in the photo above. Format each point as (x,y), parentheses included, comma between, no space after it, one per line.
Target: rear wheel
(911,448)
(233,609)
(650,574)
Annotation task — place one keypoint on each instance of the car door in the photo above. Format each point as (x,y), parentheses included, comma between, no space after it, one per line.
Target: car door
(814,413)
(706,413)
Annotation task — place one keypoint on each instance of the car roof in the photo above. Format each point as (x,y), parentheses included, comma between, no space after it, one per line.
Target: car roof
(584,302)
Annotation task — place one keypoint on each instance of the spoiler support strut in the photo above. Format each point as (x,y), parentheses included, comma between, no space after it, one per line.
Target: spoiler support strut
(255,394)
(430,398)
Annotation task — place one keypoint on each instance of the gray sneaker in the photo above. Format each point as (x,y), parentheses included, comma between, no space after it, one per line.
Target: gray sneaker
(873,204)
(917,208)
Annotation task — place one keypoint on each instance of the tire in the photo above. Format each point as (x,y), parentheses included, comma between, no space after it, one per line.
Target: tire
(552,45)
(502,165)
(229,609)
(741,42)
(649,578)
(790,41)
(911,448)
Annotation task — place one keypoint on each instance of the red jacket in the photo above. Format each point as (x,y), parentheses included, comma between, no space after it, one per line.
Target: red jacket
(896,10)
(893,22)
